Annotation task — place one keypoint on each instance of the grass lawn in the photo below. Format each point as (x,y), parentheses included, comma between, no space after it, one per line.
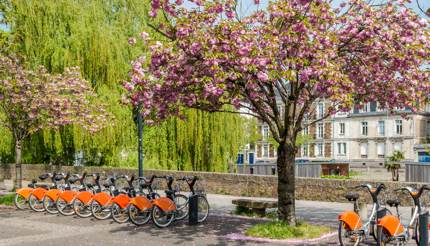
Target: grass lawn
(250,213)
(280,230)
(7,199)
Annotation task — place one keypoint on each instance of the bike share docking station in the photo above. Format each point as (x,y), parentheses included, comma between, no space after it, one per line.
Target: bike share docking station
(423,229)
(193,210)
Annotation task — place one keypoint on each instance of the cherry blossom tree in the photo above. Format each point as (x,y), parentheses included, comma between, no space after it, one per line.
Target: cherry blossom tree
(32,100)
(274,64)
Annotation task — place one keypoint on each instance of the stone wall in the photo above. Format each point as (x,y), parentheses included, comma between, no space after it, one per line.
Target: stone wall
(316,189)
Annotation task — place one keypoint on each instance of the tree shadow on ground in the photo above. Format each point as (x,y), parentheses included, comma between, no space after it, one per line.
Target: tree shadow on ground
(215,226)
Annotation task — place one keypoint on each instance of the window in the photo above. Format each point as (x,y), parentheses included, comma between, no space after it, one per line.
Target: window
(320,130)
(381,150)
(320,149)
(363,150)
(306,131)
(399,127)
(428,128)
(266,150)
(366,108)
(320,110)
(398,146)
(341,128)
(341,148)
(305,150)
(364,128)
(265,131)
(381,128)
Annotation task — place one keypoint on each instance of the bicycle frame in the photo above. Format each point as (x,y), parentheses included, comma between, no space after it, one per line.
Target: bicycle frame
(355,225)
(392,224)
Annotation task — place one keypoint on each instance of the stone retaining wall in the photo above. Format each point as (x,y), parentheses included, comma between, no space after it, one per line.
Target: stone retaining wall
(315,189)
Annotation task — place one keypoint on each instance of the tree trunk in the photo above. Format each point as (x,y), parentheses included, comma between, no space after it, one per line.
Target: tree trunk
(18,152)
(286,183)
(18,169)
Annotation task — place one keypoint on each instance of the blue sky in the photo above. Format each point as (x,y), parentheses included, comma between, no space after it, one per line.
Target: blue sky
(248,6)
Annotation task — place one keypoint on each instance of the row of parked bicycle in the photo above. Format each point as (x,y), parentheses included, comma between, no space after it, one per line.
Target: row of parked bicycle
(100,196)
(381,224)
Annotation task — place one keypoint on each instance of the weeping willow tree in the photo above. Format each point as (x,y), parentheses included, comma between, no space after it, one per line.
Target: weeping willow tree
(93,35)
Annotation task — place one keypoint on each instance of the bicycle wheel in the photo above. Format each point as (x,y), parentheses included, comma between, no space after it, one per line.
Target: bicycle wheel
(49,205)
(345,236)
(119,215)
(203,208)
(64,208)
(181,202)
(81,209)
(100,212)
(20,201)
(137,216)
(35,204)
(383,237)
(162,219)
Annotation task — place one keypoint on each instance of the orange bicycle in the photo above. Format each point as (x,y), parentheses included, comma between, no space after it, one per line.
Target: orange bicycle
(101,202)
(390,228)
(35,199)
(140,208)
(352,229)
(82,201)
(51,196)
(166,209)
(64,202)
(120,203)
(22,195)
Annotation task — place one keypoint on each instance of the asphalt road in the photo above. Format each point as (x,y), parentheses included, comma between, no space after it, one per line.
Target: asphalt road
(30,228)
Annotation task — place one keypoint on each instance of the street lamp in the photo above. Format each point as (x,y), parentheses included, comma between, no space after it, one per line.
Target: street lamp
(139,122)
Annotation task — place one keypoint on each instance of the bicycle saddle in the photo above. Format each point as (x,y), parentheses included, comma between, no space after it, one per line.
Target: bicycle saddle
(352,196)
(393,202)
(44,186)
(44,176)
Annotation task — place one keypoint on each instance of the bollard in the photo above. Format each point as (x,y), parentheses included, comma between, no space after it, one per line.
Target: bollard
(193,210)
(423,229)
(362,209)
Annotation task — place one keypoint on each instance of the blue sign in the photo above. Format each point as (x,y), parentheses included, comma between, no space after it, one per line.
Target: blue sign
(423,157)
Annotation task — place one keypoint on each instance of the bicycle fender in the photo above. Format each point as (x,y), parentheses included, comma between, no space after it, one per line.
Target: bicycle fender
(391,224)
(68,195)
(141,202)
(166,204)
(122,200)
(39,193)
(351,219)
(25,192)
(53,194)
(102,198)
(85,197)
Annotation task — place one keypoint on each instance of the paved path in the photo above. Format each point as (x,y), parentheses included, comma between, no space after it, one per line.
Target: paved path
(29,228)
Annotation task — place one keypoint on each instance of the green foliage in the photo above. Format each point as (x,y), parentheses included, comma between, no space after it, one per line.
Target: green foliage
(393,160)
(7,199)
(93,35)
(281,230)
(335,177)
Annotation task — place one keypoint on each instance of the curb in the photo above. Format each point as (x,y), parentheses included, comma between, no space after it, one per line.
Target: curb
(6,207)
(242,237)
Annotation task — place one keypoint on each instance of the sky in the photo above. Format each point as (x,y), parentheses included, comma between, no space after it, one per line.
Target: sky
(247,6)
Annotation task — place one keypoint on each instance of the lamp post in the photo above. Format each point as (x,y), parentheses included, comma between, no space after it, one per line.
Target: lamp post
(140,147)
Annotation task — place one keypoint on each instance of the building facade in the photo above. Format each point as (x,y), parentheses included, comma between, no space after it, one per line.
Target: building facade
(369,135)
(364,137)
